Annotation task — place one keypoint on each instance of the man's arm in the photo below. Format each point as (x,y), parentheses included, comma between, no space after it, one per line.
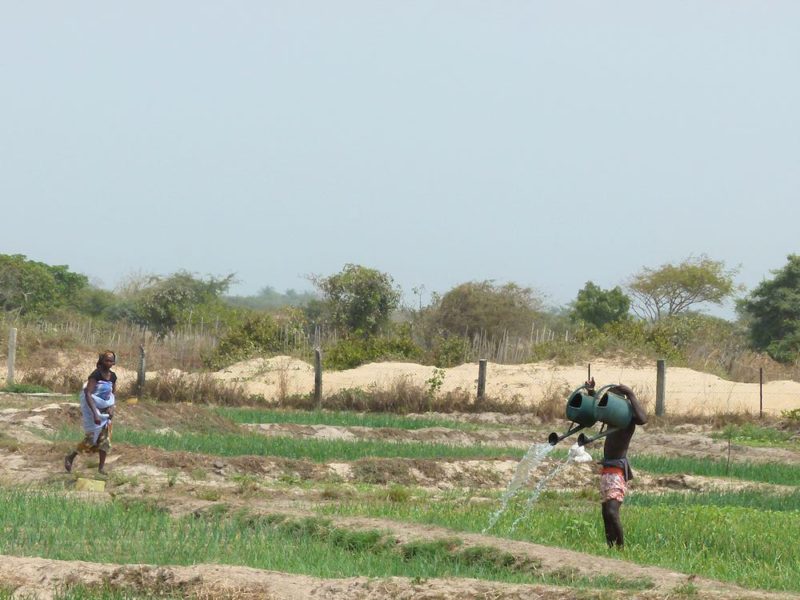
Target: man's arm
(639,414)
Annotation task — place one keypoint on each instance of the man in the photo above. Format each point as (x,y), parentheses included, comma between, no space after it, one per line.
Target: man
(616,471)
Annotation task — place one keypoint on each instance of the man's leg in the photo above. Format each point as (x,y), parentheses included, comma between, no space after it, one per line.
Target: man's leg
(612,523)
(102,454)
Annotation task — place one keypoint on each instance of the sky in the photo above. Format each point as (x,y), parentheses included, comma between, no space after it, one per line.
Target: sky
(543,143)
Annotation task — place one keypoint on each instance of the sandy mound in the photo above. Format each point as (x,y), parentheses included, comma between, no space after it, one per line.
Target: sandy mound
(687,391)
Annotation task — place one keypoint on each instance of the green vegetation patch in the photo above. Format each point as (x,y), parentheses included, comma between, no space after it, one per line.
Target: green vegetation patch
(25,388)
(749,434)
(725,537)
(56,527)
(339,419)
(249,444)
(776,473)
(754,499)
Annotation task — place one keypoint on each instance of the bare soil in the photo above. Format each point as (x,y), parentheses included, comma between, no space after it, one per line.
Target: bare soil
(187,482)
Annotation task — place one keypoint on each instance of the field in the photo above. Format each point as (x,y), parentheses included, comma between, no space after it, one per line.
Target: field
(260,502)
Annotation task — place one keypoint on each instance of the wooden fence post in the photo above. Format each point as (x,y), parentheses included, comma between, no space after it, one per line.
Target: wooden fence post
(661,386)
(761,392)
(140,375)
(481,380)
(12,354)
(318,378)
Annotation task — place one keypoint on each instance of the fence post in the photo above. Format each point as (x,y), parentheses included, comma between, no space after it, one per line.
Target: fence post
(481,379)
(761,392)
(661,385)
(140,375)
(12,354)
(318,378)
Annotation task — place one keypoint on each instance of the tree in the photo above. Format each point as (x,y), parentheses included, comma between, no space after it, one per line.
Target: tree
(673,289)
(31,287)
(162,303)
(773,309)
(484,306)
(598,307)
(358,298)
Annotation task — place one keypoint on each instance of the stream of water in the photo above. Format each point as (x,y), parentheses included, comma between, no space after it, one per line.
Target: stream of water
(535,492)
(535,455)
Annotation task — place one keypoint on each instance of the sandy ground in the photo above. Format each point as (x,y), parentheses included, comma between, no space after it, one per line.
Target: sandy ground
(687,391)
(169,479)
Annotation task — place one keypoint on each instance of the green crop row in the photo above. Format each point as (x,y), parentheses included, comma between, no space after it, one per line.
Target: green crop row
(255,444)
(737,541)
(776,473)
(56,527)
(338,419)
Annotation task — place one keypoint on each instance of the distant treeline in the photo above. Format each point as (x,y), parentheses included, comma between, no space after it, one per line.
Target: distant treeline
(356,316)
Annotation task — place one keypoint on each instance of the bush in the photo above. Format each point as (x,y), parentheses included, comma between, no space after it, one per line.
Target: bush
(353,351)
(446,351)
(258,335)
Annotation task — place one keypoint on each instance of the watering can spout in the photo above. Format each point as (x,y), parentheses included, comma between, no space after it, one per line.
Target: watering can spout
(554,437)
(583,440)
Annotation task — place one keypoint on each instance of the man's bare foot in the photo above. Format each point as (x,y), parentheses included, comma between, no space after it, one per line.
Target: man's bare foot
(102,471)
(68,463)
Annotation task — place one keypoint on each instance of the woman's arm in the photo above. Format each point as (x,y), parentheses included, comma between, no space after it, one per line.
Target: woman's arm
(91,384)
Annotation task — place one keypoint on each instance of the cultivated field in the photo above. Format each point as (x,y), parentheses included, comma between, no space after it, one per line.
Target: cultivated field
(257,502)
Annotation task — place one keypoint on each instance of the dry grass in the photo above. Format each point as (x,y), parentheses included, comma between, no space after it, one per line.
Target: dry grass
(174,386)
(63,380)
(404,397)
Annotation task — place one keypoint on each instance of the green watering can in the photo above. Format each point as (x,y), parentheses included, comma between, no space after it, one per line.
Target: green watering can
(612,410)
(585,407)
(580,410)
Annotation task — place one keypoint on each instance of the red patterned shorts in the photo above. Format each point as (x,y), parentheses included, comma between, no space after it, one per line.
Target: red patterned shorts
(612,484)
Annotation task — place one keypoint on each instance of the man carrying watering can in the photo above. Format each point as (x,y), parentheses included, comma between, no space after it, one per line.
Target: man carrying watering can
(615,468)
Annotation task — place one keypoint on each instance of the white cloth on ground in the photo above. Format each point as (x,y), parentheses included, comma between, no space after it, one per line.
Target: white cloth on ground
(579,454)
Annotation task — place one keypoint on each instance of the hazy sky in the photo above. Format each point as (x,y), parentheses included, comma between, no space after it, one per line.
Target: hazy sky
(544,143)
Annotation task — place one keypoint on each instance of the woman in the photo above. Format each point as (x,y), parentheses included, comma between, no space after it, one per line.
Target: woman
(97,410)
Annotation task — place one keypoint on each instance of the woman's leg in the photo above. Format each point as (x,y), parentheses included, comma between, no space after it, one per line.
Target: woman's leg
(102,454)
(68,461)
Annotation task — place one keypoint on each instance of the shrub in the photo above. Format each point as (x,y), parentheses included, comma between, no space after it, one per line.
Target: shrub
(353,351)
(258,335)
(446,351)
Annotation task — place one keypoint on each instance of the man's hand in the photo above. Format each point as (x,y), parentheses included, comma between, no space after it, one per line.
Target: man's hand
(621,388)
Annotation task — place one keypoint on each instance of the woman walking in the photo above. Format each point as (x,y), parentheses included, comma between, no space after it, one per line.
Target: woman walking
(97,410)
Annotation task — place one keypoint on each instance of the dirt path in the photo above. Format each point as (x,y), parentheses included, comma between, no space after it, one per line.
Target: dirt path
(39,577)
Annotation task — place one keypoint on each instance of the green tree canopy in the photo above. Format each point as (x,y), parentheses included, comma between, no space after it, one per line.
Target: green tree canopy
(673,289)
(358,298)
(483,306)
(773,309)
(597,306)
(31,287)
(162,303)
